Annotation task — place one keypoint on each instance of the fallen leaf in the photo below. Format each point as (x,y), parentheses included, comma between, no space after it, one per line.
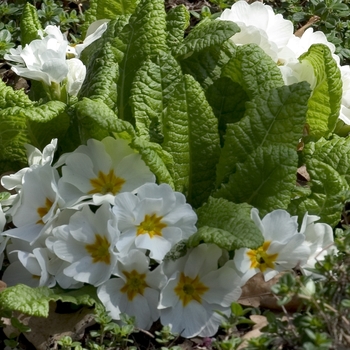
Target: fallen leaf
(260,322)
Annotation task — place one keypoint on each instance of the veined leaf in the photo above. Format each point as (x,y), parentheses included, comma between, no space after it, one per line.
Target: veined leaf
(102,63)
(265,180)
(334,152)
(152,88)
(324,104)
(13,98)
(254,70)
(178,20)
(107,9)
(29,24)
(226,224)
(276,117)
(158,160)
(191,137)
(35,301)
(206,34)
(228,102)
(144,36)
(206,65)
(325,198)
(97,120)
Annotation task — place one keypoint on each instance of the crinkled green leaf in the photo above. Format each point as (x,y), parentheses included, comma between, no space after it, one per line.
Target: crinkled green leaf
(324,104)
(158,160)
(265,180)
(33,125)
(107,9)
(334,152)
(29,24)
(228,102)
(151,90)
(205,66)
(13,98)
(46,122)
(325,199)
(178,20)
(226,224)
(204,35)
(144,36)
(276,117)
(97,120)
(254,70)
(191,136)
(102,63)
(35,301)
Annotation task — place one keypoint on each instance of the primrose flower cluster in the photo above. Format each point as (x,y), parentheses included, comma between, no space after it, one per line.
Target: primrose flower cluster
(45,59)
(274,34)
(97,217)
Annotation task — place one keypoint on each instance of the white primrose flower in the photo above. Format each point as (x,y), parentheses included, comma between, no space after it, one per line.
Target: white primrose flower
(319,239)
(195,290)
(155,219)
(42,59)
(100,170)
(345,104)
(39,204)
(87,243)
(76,76)
(259,25)
(282,249)
(135,292)
(94,32)
(30,269)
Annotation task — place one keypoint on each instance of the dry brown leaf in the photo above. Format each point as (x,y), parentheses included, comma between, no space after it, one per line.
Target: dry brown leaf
(46,331)
(256,292)
(3,285)
(260,322)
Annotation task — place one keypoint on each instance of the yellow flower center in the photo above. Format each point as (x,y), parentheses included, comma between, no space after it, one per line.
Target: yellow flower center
(99,250)
(261,259)
(189,289)
(135,284)
(42,211)
(106,183)
(152,225)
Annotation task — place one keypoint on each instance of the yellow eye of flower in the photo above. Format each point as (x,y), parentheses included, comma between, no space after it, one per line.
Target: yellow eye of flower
(106,183)
(189,289)
(152,225)
(42,211)
(135,284)
(261,259)
(99,250)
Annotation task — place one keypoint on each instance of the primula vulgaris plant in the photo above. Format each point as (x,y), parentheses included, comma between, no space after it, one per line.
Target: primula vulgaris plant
(177,161)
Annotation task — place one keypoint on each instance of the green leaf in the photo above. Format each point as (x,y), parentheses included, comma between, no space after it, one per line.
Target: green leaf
(325,199)
(276,117)
(228,102)
(45,122)
(226,224)
(35,301)
(265,180)
(144,36)
(152,88)
(102,64)
(107,9)
(158,160)
(206,34)
(254,70)
(97,120)
(29,24)
(334,152)
(13,98)
(177,21)
(205,66)
(191,136)
(324,104)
